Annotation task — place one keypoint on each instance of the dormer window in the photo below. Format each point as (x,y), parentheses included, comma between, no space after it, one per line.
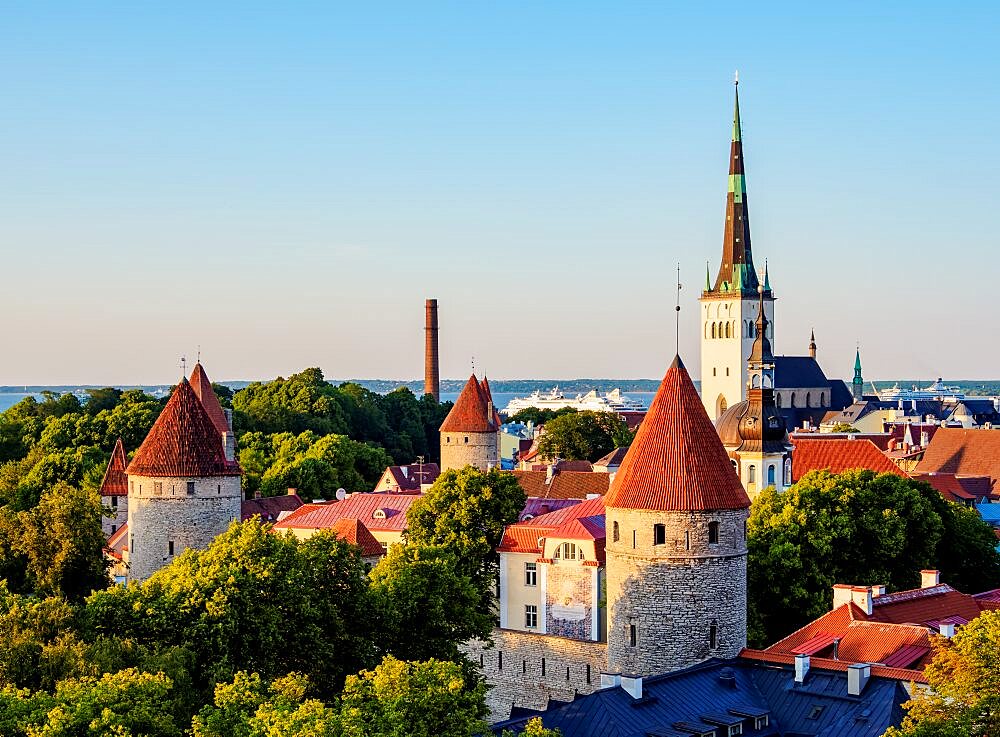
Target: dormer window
(379,514)
(567,551)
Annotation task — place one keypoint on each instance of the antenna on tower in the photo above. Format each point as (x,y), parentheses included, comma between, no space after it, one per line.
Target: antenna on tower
(736,78)
(677,315)
(473,359)
(199,353)
(183,367)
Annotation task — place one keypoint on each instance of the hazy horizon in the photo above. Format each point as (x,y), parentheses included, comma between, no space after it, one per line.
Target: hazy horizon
(284,186)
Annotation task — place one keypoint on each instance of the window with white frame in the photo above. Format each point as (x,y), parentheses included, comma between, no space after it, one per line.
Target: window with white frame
(530,574)
(531,616)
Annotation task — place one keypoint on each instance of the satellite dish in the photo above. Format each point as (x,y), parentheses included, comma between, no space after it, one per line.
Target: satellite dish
(341,494)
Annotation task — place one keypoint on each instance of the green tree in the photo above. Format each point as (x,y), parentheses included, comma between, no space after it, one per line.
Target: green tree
(250,707)
(407,699)
(102,399)
(235,604)
(855,527)
(538,415)
(40,646)
(844,427)
(534,728)
(584,436)
(424,606)
(964,677)
(467,511)
(63,544)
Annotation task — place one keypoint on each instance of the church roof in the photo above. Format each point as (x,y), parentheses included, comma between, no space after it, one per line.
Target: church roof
(794,372)
(115,481)
(676,461)
(203,389)
(471,411)
(183,442)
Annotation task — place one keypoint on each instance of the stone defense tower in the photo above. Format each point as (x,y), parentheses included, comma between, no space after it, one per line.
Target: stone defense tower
(728,306)
(432,366)
(470,432)
(676,541)
(184,481)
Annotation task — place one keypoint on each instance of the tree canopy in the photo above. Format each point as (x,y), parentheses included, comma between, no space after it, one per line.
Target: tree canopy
(964,678)
(584,436)
(856,528)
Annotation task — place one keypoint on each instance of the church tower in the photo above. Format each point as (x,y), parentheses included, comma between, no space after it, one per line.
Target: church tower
(469,434)
(728,305)
(858,385)
(676,541)
(184,481)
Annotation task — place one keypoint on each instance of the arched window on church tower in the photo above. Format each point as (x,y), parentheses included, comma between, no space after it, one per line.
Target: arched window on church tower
(777,400)
(713,329)
(727,330)
(788,472)
(807,399)
(793,399)
(770,474)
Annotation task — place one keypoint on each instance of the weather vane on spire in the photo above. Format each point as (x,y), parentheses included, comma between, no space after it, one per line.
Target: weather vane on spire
(677,315)
(736,78)
(473,360)
(183,366)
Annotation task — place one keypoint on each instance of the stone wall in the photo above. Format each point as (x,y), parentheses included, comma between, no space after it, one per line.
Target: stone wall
(527,669)
(119,514)
(681,596)
(479,449)
(161,512)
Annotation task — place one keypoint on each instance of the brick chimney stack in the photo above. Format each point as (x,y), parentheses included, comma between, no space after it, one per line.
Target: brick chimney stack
(432,368)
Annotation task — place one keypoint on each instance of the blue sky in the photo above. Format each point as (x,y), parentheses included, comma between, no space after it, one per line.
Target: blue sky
(284,184)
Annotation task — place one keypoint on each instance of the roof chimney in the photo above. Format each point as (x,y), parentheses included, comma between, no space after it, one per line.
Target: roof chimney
(947,629)
(229,444)
(610,680)
(632,686)
(857,678)
(292,491)
(432,366)
(727,677)
(801,668)
(929,578)
(860,595)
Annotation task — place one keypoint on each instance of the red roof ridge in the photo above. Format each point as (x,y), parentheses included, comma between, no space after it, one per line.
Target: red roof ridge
(471,411)
(182,442)
(203,389)
(115,481)
(355,532)
(677,462)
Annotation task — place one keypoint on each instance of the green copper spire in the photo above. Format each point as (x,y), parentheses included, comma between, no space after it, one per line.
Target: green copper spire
(737,131)
(857,362)
(767,278)
(858,385)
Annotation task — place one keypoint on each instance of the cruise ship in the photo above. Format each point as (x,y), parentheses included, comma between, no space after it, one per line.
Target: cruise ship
(937,390)
(613,401)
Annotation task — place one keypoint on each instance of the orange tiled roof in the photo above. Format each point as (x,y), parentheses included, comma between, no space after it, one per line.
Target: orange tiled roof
(382,512)
(470,413)
(677,461)
(488,395)
(115,481)
(837,456)
(564,484)
(958,488)
(203,389)
(896,674)
(118,538)
(182,442)
(523,537)
(920,606)
(963,452)
(269,507)
(355,532)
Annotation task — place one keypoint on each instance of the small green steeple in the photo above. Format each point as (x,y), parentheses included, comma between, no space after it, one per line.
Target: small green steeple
(767,278)
(858,385)
(737,130)
(857,363)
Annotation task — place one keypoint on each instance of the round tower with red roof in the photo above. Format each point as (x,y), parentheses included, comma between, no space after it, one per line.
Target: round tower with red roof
(469,434)
(676,541)
(184,481)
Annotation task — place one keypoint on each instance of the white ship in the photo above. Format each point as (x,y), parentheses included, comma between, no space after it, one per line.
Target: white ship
(937,390)
(613,401)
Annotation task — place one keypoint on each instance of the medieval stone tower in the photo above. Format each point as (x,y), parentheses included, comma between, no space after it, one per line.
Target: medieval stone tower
(184,481)
(470,432)
(729,304)
(676,541)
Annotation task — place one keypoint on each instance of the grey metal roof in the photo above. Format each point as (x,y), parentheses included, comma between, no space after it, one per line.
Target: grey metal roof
(792,372)
(671,702)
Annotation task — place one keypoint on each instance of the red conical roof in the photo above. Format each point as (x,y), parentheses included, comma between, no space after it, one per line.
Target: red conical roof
(183,441)
(485,386)
(470,413)
(203,389)
(676,462)
(115,481)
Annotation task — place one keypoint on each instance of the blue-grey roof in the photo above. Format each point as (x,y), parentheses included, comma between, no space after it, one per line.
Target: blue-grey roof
(792,372)
(698,695)
(990,513)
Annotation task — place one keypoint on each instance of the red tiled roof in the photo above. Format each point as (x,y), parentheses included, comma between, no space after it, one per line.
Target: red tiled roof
(906,656)
(837,456)
(115,481)
(816,643)
(919,606)
(523,537)
(488,395)
(958,488)
(203,389)
(117,539)
(614,458)
(564,484)
(410,478)
(182,442)
(896,674)
(355,532)
(470,413)
(964,453)
(833,622)
(269,507)
(677,461)
(369,508)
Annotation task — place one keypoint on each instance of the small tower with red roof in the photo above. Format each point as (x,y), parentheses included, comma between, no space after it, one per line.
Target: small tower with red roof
(184,481)
(114,490)
(676,541)
(469,434)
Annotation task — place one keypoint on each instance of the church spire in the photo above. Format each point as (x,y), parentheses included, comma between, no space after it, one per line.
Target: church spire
(737,272)
(858,385)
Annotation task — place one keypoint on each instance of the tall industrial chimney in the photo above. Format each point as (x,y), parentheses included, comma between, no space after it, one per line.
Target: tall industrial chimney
(432,368)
